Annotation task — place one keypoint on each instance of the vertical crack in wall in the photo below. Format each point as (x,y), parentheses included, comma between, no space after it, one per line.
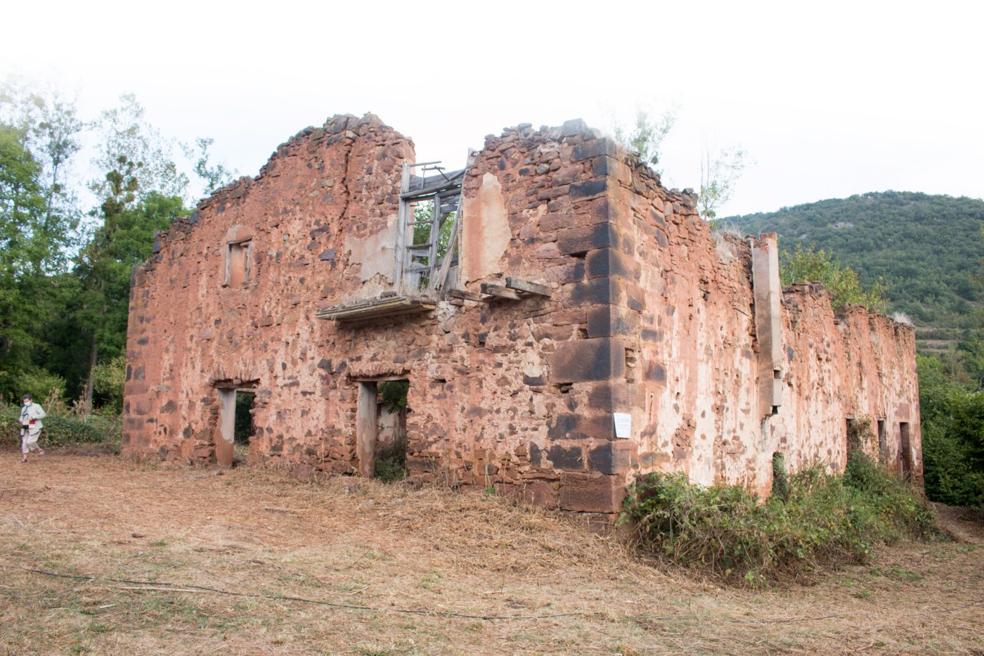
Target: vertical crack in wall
(345,176)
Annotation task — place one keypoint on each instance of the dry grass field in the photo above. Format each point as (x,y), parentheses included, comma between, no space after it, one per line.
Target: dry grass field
(103,556)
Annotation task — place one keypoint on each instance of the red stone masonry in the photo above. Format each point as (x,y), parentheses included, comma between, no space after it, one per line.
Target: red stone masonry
(650,315)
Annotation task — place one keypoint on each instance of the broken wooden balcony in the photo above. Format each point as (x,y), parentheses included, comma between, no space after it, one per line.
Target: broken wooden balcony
(392,304)
(513,290)
(383,306)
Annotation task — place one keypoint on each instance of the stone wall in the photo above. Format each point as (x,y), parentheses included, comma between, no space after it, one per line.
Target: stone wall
(649,315)
(726,374)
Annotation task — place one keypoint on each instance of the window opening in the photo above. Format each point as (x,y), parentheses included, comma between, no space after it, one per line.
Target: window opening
(238,263)
(429,218)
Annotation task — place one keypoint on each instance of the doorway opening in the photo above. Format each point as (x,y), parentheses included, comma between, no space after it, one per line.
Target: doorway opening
(381,429)
(235,422)
(856,430)
(243,428)
(882,443)
(905,451)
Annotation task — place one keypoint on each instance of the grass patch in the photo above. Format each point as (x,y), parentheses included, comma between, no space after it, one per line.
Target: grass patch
(819,521)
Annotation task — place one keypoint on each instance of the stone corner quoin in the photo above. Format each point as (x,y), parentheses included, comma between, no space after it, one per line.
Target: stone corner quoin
(577,295)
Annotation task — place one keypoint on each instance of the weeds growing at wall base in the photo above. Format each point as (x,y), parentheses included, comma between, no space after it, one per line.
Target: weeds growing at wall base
(820,521)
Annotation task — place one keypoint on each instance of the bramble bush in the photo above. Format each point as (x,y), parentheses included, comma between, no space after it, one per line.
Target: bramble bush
(821,521)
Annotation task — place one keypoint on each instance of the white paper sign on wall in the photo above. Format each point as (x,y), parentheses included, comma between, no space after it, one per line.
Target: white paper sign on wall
(623,424)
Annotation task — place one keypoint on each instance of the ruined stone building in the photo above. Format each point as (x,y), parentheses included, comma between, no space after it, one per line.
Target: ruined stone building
(563,321)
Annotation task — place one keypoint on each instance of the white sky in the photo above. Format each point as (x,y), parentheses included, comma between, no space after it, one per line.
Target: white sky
(828,98)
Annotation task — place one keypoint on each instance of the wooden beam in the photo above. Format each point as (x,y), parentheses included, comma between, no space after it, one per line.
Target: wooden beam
(500,292)
(435,236)
(377,308)
(528,287)
(465,295)
(401,231)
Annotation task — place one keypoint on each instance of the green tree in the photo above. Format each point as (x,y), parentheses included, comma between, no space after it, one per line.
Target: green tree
(952,435)
(213,175)
(39,135)
(645,137)
(806,265)
(124,240)
(719,171)
(719,174)
(140,193)
(21,210)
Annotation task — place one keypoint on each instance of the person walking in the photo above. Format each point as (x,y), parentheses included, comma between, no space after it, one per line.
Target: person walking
(30,419)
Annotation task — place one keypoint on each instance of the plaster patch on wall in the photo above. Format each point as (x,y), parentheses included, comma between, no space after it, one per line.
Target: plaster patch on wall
(486,232)
(376,254)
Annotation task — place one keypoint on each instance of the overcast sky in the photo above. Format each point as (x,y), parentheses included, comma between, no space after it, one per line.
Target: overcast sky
(828,98)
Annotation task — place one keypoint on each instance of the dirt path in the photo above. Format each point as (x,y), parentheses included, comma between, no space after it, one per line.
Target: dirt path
(391,570)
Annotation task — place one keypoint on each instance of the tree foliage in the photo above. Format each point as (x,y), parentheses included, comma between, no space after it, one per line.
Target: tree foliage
(926,249)
(952,435)
(38,135)
(719,174)
(65,284)
(214,175)
(645,137)
(844,284)
(719,171)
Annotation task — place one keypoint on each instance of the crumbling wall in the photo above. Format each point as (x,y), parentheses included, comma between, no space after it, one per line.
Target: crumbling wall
(722,374)
(650,318)
(879,357)
(189,330)
(499,390)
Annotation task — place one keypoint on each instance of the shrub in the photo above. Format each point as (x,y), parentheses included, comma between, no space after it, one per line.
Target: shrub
(898,511)
(823,521)
(107,382)
(844,284)
(39,383)
(61,430)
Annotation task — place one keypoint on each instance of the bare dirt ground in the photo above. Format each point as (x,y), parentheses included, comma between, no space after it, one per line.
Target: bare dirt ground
(186,561)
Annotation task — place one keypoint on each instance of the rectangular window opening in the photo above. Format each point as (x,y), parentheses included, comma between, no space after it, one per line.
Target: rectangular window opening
(430,198)
(238,263)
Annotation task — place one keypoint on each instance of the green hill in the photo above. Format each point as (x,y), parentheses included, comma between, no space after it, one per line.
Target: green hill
(927,249)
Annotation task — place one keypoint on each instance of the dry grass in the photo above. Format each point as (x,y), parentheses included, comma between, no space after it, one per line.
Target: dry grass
(408,571)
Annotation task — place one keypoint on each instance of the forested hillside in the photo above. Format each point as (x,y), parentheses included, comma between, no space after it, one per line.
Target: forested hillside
(927,250)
